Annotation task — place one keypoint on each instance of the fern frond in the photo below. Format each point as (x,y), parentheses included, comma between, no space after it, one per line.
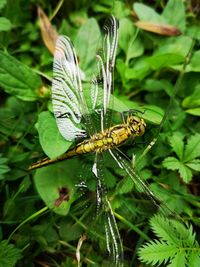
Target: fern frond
(173,232)
(156,252)
(194,259)
(9,255)
(180,259)
(166,230)
(177,244)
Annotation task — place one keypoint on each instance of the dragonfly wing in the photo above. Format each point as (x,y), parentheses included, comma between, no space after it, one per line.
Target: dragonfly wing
(124,163)
(113,240)
(67,95)
(102,86)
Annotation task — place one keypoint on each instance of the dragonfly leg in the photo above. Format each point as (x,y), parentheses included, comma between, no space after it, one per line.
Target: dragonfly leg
(123,116)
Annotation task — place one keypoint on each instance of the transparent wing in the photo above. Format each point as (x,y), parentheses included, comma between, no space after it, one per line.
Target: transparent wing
(113,240)
(125,164)
(102,86)
(67,95)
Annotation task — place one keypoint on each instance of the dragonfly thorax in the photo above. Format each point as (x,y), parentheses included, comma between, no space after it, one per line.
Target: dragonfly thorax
(136,125)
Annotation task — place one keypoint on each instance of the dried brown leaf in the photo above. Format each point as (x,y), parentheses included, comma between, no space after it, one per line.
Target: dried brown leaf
(161,29)
(49,34)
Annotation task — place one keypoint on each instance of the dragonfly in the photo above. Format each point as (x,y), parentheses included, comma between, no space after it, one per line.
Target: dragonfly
(76,120)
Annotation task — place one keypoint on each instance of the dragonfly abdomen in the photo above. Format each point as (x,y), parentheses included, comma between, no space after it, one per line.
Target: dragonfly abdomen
(108,139)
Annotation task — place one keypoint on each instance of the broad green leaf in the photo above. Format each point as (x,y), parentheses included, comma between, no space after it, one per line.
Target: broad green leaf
(193,111)
(194,164)
(163,61)
(121,69)
(87,43)
(121,105)
(5,24)
(193,100)
(172,163)
(17,79)
(119,9)
(152,114)
(153,85)
(2,3)
(177,144)
(129,41)
(139,71)
(149,113)
(194,31)
(174,13)
(171,52)
(194,64)
(192,149)
(9,254)
(50,138)
(51,180)
(146,13)
(185,173)
(179,45)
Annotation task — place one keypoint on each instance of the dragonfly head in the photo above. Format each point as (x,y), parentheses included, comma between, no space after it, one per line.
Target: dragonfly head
(136,125)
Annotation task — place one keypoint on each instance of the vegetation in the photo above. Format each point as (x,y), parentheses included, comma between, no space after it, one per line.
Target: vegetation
(45,221)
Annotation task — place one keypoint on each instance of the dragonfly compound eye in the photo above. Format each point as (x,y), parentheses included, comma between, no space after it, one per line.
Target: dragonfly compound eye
(137,125)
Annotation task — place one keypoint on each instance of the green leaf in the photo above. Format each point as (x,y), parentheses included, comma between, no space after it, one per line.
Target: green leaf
(163,61)
(9,254)
(164,229)
(172,163)
(50,138)
(2,3)
(151,114)
(193,100)
(177,144)
(139,71)
(5,24)
(3,167)
(180,259)
(156,252)
(74,233)
(146,13)
(125,186)
(51,180)
(185,173)
(171,52)
(193,111)
(153,85)
(17,79)
(129,42)
(174,13)
(192,149)
(194,62)
(178,240)
(119,9)
(194,258)
(87,43)
(194,164)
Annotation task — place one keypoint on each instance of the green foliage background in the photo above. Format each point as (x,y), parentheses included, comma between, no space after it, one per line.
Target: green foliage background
(154,73)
